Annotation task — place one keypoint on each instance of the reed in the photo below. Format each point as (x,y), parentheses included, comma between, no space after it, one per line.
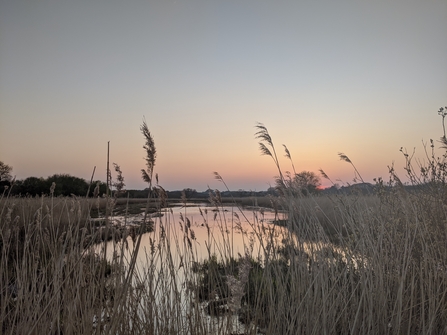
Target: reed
(339,264)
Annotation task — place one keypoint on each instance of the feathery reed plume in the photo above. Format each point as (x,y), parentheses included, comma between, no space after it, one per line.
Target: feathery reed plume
(444,142)
(162,196)
(325,176)
(443,112)
(151,153)
(345,158)
(263,135)
(218,177)
(119,184)
(289,157)
(264,150)
(53,186)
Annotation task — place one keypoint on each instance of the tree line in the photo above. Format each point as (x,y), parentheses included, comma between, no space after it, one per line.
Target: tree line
(67,185)
(64,184)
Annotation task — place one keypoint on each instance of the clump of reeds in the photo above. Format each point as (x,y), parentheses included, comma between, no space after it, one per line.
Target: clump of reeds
(386,272)
(50,273)
(56,274)
(370,264)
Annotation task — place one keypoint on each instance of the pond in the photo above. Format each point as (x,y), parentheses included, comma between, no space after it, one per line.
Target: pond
(222,231)
(184,236)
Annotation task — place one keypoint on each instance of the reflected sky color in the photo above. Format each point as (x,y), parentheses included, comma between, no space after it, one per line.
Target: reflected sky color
(362,78)
(224,232)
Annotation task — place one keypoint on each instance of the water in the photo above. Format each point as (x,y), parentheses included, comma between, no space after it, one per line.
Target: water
(227,231)
(183,237)
(187,235)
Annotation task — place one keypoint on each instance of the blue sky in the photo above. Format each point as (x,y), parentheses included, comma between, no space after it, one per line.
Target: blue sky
(360,77)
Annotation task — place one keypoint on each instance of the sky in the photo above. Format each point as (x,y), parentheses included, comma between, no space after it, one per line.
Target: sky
(363,78)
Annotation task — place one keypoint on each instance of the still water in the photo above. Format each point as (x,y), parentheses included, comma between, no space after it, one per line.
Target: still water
(186,235)
(201,231)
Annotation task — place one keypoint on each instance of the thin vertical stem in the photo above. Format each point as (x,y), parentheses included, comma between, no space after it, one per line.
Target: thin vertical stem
(91,181)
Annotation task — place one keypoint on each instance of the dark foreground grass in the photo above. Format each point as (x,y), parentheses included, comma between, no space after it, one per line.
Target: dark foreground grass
(372,265)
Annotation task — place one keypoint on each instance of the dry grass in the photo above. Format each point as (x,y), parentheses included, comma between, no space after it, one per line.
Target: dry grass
(54,277)
(342,264)
(385,273)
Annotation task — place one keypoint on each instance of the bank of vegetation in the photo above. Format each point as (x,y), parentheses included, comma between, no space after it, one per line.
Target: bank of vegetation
(358,262)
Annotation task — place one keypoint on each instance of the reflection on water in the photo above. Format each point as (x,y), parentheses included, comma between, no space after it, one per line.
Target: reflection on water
(223,231)
(184,236)
(195,232)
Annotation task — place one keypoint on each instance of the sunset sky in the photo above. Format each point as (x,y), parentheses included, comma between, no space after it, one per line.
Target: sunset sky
(360,77)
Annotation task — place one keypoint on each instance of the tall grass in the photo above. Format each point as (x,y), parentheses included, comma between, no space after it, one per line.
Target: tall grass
(340,264)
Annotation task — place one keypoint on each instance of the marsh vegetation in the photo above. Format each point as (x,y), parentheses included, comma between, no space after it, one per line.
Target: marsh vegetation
(371,263)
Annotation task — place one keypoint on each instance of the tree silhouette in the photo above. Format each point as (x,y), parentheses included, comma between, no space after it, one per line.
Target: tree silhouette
(5,172)
(307,181)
